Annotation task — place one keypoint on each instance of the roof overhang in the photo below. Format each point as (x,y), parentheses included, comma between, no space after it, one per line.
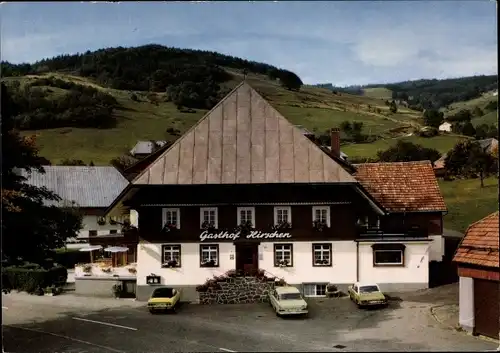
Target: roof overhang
(118,206)
(373,203)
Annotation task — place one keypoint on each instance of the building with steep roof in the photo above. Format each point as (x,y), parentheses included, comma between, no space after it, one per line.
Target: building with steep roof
(245,190)
(478,260)
(90,189)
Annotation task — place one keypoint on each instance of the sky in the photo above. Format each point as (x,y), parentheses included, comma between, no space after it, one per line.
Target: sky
(339,42)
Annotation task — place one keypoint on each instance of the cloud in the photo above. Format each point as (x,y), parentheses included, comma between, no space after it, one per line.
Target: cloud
(339,42)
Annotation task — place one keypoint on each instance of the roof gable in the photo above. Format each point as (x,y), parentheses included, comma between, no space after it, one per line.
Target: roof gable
(93,187)
(480,245)
(402,186)
(243,140)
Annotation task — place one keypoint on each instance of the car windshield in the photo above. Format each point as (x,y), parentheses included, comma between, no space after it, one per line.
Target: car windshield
(368,289)
(290,296)
(163,293)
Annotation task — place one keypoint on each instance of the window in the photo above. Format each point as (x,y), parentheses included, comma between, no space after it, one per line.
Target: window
(209,255)
(321,214)
(283,255)
(246,214)
(387,257)
(372,222)
(113,231)
(92,233)
(208,215)
(171,256)
(314,289)
(282,214)
(322,254)
(171,217)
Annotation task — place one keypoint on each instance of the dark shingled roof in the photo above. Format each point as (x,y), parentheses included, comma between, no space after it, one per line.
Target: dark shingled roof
(87,186)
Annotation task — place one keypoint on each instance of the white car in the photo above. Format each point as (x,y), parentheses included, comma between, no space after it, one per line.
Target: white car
(287,301)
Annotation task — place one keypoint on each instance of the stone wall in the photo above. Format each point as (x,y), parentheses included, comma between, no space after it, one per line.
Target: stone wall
(237,290)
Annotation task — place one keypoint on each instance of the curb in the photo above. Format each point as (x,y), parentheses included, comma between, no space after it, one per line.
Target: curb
(454,328)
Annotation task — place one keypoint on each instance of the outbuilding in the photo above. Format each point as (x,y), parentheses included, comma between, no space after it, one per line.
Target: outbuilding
(479,272)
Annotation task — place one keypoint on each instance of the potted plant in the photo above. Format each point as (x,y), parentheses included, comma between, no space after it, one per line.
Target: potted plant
(171,264)
(319,225)
(168,227)
(279,282)
(117,290)
(282,225)
(101,221)
(209,226)
(132,270)
(87,270)
(208,263)
(244,227)
(332,291)
(53,290)
(284,263)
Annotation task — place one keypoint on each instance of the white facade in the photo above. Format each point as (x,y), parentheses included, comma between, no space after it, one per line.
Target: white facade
(414,271)
(89,223)
(446,126)
(343,269)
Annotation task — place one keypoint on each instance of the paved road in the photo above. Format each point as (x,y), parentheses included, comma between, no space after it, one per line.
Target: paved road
(334,325)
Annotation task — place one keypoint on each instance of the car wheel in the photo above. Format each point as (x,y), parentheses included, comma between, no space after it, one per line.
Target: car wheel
(152,311)
(278,314)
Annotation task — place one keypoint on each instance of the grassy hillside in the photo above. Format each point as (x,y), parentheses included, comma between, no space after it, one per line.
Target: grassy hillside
(314,108)
(442,143)
(467,202)
(138,93)
(470,104)
(490,118)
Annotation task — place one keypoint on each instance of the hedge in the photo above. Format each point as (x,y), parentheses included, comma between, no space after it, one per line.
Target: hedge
(29,278)
(69,258)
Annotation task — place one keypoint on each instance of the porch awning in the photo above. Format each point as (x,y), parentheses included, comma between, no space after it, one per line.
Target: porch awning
(116,249)
(91,248)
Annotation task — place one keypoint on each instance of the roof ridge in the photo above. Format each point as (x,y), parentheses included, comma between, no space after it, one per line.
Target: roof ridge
(176,142)
(389,163)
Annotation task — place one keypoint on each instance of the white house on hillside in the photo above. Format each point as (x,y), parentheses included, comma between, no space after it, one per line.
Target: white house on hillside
(446,127)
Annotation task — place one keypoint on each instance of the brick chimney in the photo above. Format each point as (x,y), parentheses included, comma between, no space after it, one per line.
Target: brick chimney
(335,142)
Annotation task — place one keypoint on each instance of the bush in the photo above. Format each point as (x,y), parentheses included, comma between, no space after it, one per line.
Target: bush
(429,132)
(31,279)
(69,258)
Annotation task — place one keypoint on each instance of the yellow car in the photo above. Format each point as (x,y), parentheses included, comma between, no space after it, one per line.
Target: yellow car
(164,299)
(287,301)
(366,294)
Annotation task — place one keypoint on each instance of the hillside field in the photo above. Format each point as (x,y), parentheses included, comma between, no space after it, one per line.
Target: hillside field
(314,108)
(467,202)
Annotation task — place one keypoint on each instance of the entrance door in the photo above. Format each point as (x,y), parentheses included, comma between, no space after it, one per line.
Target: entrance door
(247,258)
(486,307)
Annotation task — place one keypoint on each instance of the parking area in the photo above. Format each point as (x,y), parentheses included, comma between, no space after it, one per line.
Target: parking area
(126,326)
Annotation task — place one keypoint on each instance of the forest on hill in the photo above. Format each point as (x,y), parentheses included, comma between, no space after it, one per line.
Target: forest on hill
(191,78)
(429,93)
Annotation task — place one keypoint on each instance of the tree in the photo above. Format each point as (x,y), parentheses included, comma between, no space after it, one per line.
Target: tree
(468,129)
(393,108)
(477,112)
(463,115)
(30,227)
(289,80)
(433,118)
(123,162)
(467,159)
(75,162)
(346,127)
(405,151)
